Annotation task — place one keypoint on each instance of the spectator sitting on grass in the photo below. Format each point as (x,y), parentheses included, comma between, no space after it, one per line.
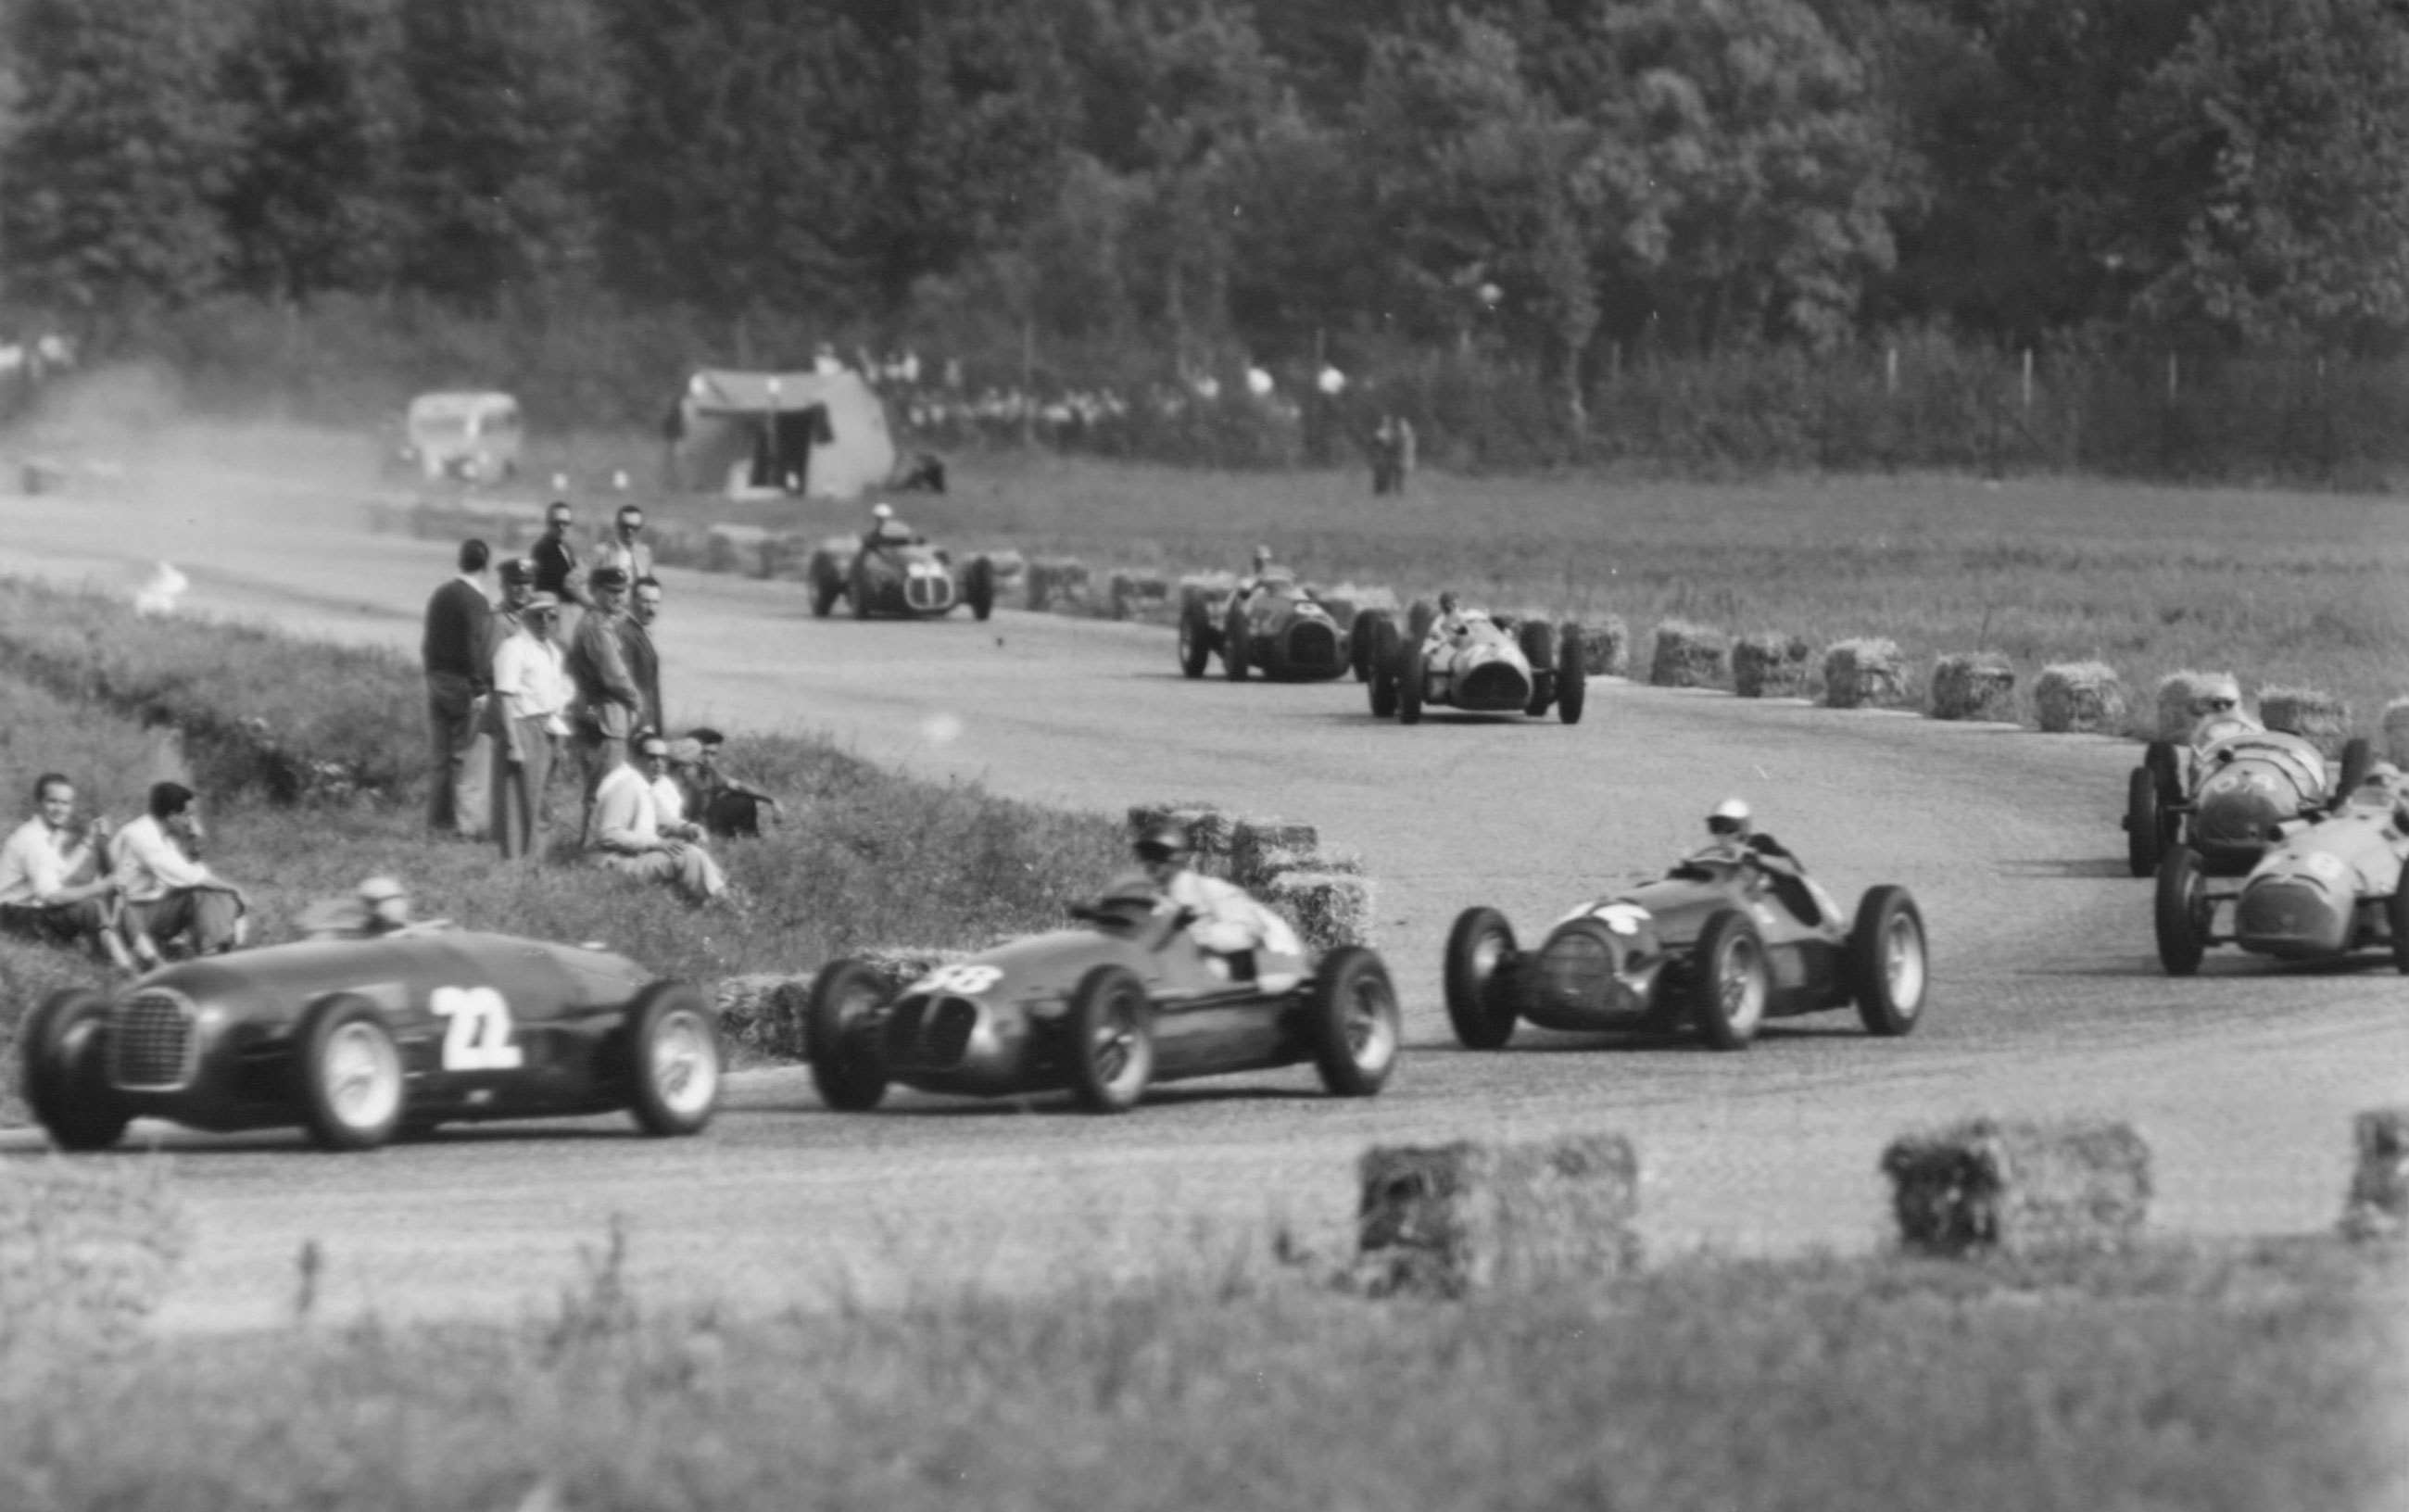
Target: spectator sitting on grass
(52,886)
(727,807)
(170,897)
(626,834)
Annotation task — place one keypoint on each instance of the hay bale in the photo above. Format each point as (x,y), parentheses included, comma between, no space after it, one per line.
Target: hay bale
(763,1012)
(1273,863)
(1864,673)
(1349,599)
(2019,1187)
(1009,569)
(1768,665)
(2396,733)
(1145,595)
(86,1251)
(2377,1206)
(1328,908)
(2179,697)
(1208,828)
(2083,698)
(1605,647)
(1973,685)
(1448,1219)
(1058,582)
(790,555)
(1688,656)
(2315,716)
(1252,840)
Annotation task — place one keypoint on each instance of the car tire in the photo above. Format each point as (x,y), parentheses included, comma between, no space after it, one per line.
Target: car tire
(1536,639)
(1420,616)
(2181,915)
(978,588)
(352,1090)
(673,1060)
(1195,639)
(1411,681)
(1353,1022)
(1890,961)
(1112,1040)
(2162,757)
(2358,761)
(839,1035)
(1364,642)
(1385,656)
(65,1046)
(1572,676)
(2396,918)
(1235,646)
(827,586)
(2145,832)
(1728,981)
(1481,957)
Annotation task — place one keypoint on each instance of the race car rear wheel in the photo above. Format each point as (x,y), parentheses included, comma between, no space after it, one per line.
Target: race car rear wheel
(1234,643)
(2396,919)
(1419,615)
(1195,639)
(2358,761)
(828,585)
(1728,981)
(1889,964)
(1537,641)
(1385,656)
(1112,1040)
(1410,675)
(674,1049)
(2182,911)
(65,1046)
(1354,1024)
(840,1034)
(1364,642)
(978,588)
(350,1085)
(1572,675)
(2145,834)
(2160,757)
(1481,961)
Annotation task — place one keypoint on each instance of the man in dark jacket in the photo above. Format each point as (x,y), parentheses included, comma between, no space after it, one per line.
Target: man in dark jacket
(643,657)
(608,700)
(453,650)
(553,554)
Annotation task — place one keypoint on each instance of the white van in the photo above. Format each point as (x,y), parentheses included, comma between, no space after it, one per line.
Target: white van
(471,438)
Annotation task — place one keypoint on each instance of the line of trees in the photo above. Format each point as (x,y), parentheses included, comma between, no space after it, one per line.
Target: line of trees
(1556,182)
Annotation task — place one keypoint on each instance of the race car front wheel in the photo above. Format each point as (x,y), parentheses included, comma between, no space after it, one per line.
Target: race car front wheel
(1572,675)
(675,1051)
(351,1075)
(2144,826)
(65,1046)
(1195,640)
(2182,912)
(1480,955)
(1354,1027)
(1112,1040)
(839,1036)
(1728,981)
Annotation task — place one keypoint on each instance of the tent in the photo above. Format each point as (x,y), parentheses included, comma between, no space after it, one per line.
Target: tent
(820,434)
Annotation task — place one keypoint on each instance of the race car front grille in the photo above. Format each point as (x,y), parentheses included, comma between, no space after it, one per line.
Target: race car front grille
(930,1033)
(1576,971)
(1492,685)
(2284,917)
(150,1043)
(1312,646)
(929,590)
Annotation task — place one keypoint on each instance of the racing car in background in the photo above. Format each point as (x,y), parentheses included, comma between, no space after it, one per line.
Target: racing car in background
(2326,887)
(1471,661)
(1123,999)
(1274,626)
(356,1040)
(2223,793)
(1719,942)
(898,580)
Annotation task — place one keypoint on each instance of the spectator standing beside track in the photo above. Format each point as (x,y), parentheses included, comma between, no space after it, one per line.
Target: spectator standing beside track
(452,650)
(621,549)
(169,894)
(643,657)
(608,700)
(553,554)
(533,692)
(625,834)
(53,887)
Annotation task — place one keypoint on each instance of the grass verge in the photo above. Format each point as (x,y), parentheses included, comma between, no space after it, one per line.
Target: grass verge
(2213,1378)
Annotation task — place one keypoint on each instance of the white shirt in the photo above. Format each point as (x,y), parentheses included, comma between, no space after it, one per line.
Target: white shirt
(148,863)
(36,863)
(531,678)
(1228,920)
(625,818)
(669,803)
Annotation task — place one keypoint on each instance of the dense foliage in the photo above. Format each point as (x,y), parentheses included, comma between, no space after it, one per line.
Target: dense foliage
(1554,187)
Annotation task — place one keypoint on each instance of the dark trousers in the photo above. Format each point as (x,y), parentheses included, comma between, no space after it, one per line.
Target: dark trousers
(87,921)
(451,701)
(206,914)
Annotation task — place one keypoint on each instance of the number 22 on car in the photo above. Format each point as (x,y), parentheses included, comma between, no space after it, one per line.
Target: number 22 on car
(478,1033)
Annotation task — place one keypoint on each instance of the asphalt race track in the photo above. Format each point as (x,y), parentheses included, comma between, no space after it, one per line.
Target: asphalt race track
(2047,996)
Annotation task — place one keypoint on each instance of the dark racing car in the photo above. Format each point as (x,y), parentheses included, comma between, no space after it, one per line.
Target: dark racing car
(1719,942)
(1104,1009)
(358,1040)
(2224,796)
(1278,629)
(905,579)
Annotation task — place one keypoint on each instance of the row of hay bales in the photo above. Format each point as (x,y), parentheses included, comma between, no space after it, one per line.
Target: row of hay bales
(1322,891)
(1454,1219)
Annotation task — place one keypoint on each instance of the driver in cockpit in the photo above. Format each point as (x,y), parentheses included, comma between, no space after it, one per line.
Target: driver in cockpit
(886,532)
(1733,825)
(1219,916)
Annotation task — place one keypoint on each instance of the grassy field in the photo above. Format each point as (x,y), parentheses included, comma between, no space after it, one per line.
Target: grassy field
(2279,588)
(2252,1378)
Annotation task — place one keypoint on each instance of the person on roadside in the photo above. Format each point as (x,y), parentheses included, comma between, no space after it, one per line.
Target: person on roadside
(553,553)
(451,649)
(643,657)
(625,833)
(171,898)
(53,884)
(670,802)
(532,694)
(1220,918)
(609,703)
(623,548)
(727,807)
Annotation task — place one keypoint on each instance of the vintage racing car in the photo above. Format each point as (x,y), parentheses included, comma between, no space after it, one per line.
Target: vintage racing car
(1718,941)
(1122,1000)
(2326,887)
(910,580)
(1278,629)
(1470,661)
(358,1040)
(2223,793)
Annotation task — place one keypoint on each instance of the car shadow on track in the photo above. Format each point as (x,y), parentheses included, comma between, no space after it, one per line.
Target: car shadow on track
(1052,1104)
(2088,866)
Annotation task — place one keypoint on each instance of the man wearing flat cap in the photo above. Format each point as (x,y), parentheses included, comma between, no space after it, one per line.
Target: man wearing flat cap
(609,703)
(533,692)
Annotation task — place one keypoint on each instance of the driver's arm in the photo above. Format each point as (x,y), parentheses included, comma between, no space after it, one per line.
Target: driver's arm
(1227,920)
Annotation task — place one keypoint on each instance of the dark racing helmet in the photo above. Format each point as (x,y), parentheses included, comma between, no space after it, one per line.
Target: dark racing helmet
(1163,842)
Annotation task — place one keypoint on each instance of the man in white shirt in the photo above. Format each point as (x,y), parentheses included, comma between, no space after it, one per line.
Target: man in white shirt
(532,692)
(626,830)
(40,896)
(168,895)
(1222,920)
